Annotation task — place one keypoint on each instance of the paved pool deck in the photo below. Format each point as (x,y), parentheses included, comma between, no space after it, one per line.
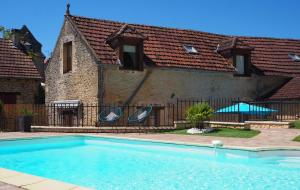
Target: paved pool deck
(267,139)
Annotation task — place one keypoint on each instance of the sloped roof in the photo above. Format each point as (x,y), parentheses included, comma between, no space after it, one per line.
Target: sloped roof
(164,47)
(14,63)
(291,90)
(126,31)
(233,43)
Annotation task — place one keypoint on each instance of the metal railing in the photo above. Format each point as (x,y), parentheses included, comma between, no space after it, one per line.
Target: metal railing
(162,115)
(281,110)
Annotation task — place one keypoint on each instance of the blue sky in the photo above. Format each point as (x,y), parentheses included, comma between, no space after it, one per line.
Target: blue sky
(270,18)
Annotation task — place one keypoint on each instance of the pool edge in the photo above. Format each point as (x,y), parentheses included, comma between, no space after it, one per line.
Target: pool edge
(33,182)
(230,147)
(253,149)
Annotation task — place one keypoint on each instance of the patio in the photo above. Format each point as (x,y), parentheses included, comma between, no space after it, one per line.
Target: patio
(268,138)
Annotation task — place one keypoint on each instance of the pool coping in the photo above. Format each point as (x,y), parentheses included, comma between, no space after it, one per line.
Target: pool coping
(32,182)
(230,147)
(254,149)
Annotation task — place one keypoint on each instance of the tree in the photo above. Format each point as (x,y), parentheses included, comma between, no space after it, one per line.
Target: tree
(6,33)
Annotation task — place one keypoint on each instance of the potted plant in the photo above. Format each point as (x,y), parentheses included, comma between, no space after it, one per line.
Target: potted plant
(199,113)
(25,120)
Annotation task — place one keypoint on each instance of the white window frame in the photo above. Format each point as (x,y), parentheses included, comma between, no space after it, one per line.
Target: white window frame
(190,49)
(240,64)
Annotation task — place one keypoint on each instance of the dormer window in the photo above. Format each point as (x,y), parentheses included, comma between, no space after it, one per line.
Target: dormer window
(240,64)
(190,49)
(238,53)
(128,44)
(130,57)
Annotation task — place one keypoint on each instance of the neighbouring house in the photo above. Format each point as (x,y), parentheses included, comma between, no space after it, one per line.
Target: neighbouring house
(24,40)
(101,61)
(21,68)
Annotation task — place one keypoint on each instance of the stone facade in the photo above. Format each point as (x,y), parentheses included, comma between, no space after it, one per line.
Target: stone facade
(165,85)
(152,85)
(27,89)
(82,82)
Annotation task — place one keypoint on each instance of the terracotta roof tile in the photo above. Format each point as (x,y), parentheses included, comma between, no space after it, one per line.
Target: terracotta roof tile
(14,63)
(291,90)
(164,47)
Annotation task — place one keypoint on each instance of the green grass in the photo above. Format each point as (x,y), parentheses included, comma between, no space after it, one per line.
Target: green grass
(297,139)
(222,132)
(295,124)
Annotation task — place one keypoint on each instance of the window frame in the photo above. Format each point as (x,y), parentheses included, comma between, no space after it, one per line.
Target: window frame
(187,50)
(138,54)
(67,57)
(246,64)
(134,65)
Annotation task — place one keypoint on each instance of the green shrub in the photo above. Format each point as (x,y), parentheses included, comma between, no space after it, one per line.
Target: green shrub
(295,124)
(199,113)
(26,112)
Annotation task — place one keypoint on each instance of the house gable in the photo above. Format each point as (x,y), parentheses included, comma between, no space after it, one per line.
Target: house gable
(81,82)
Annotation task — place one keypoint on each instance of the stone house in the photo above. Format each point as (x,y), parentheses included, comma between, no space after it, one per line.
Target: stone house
(21,68)
(101,61)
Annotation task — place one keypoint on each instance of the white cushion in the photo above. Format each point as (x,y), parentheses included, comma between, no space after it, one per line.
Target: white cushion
(142,115)
(111,116)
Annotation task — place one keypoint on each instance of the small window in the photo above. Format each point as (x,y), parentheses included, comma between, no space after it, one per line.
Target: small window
(130,57)
(294,57)
(190,49)
(9,97)
(67,57)
(240,64)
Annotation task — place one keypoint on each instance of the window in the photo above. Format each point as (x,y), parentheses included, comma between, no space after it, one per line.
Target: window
(67,57)
(130,57)
(190,49)
(240,64)
(8,97)
(294,57)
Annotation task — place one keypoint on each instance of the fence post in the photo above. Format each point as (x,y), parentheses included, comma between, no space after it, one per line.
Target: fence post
(173,114)
(82,114)
(239,114)
(281,109)
(177,111)
(54,118)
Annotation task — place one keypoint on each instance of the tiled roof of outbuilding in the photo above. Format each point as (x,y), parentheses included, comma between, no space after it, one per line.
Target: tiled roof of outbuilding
(291,90)
(14,63)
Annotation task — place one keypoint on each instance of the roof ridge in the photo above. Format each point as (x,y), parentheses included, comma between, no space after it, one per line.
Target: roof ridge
(153,26)
(187,30)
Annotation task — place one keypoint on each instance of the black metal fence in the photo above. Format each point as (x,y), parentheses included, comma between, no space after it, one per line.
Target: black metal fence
(88,115)
(233,110)
(162,115)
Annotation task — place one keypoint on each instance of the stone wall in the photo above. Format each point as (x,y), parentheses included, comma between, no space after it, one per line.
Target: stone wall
(28,89)
(268,125)
(165,85)
(153,85)
(82,82)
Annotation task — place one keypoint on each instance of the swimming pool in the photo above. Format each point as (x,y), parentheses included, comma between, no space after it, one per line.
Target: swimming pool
(110,164)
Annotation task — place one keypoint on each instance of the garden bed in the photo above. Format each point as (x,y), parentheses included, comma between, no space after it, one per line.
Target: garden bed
(221,132)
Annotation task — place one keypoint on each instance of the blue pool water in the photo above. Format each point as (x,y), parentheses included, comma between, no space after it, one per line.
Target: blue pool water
(111,164)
